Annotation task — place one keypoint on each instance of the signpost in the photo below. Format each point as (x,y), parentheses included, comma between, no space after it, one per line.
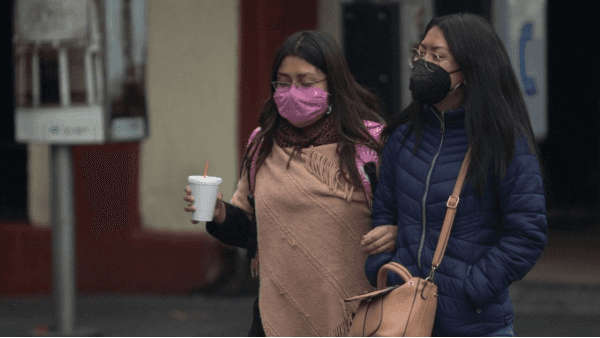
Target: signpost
(94,51)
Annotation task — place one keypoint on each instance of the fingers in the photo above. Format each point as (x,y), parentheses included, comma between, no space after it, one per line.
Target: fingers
(380,239)
(382,245)
(219,203)
(220,212)
(387,248)
(188,195)
(189,198)
(373,235)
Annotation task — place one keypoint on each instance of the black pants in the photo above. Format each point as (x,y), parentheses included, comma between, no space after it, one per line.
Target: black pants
(257,329)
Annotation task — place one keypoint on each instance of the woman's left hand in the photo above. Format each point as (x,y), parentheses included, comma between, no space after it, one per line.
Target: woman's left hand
(380,239)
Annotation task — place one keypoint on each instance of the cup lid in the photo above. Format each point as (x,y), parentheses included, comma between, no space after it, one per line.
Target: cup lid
(208,180)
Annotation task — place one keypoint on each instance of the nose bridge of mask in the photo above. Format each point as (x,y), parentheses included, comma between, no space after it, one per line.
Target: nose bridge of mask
(307,92)
(432,67)
(433,70)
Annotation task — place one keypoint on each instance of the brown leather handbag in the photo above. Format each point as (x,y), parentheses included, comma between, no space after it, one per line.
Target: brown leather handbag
(406,310)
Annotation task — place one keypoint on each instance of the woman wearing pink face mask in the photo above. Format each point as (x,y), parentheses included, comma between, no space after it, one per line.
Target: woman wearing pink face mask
(302,207)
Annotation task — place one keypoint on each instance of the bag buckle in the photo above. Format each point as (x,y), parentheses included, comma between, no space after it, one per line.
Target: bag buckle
(452,203)
(431,276)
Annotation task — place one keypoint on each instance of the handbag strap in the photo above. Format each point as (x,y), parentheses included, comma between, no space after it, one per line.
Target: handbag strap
(452,204)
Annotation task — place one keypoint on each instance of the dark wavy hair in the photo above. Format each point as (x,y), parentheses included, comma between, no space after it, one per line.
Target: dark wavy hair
(350,101)
(495,111)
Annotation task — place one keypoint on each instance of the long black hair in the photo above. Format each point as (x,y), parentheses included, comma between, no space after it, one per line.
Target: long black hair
(495,111)
(351,104)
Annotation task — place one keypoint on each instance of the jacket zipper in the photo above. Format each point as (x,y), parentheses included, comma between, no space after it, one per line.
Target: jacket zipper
(427,189)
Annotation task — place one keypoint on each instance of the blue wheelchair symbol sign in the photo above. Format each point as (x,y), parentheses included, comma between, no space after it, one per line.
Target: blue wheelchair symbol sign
(528,82)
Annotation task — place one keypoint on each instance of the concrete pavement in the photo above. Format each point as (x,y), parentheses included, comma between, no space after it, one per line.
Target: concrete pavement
(559,297)
(133,315)
(542,309)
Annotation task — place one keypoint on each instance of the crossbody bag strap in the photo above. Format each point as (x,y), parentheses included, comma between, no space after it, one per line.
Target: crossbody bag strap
(452,204)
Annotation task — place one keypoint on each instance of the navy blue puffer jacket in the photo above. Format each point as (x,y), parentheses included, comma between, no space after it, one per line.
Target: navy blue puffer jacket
(495,240)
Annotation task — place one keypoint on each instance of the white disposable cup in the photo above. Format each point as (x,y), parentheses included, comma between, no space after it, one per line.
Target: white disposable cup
(204,190)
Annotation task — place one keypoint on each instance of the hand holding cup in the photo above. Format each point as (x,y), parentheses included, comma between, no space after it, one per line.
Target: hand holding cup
(201,193)
(219,213)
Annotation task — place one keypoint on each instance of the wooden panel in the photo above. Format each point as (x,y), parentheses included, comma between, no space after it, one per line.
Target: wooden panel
(264,26)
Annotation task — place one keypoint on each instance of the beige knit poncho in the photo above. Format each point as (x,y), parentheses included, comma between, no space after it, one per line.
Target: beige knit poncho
(310,224)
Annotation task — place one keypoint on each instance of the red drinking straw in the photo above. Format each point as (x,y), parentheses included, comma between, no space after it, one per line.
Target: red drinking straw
(206,169)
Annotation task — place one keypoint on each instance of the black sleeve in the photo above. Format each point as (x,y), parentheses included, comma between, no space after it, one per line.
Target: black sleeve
(235,230)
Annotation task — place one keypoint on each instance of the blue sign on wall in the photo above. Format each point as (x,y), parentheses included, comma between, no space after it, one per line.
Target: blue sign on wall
(522,27)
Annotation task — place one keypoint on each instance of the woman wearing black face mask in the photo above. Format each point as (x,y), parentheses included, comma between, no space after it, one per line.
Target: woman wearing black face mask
(466,95)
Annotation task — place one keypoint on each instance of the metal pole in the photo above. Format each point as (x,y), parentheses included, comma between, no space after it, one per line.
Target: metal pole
(63,253)
(63,239)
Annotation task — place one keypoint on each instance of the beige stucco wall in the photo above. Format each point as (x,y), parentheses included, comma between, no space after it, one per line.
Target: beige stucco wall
(192,97)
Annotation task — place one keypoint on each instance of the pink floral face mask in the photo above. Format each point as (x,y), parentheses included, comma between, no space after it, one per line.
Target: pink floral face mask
(300,104)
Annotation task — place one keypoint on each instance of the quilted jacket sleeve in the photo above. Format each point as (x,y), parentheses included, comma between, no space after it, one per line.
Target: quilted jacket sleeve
(385,209)
(384,205)
(524,225)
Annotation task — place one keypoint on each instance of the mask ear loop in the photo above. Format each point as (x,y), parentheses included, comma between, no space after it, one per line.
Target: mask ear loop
(329,110)
(458,85)
(464,83)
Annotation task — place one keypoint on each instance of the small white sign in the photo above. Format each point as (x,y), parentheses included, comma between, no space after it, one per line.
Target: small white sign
(69,125)
(128,128)
(52,20)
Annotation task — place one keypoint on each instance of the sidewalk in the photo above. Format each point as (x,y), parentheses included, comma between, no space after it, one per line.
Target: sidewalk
(133,315)
(559,297)
(571,256)
(542,309)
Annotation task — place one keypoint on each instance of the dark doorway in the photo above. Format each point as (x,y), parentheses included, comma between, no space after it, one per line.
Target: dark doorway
(13,156)
(571,151)
(50,94)
(479,7)
(371,46)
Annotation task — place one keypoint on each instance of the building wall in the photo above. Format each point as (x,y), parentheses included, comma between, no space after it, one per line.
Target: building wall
(194,115)
(192,96)
(192,111)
